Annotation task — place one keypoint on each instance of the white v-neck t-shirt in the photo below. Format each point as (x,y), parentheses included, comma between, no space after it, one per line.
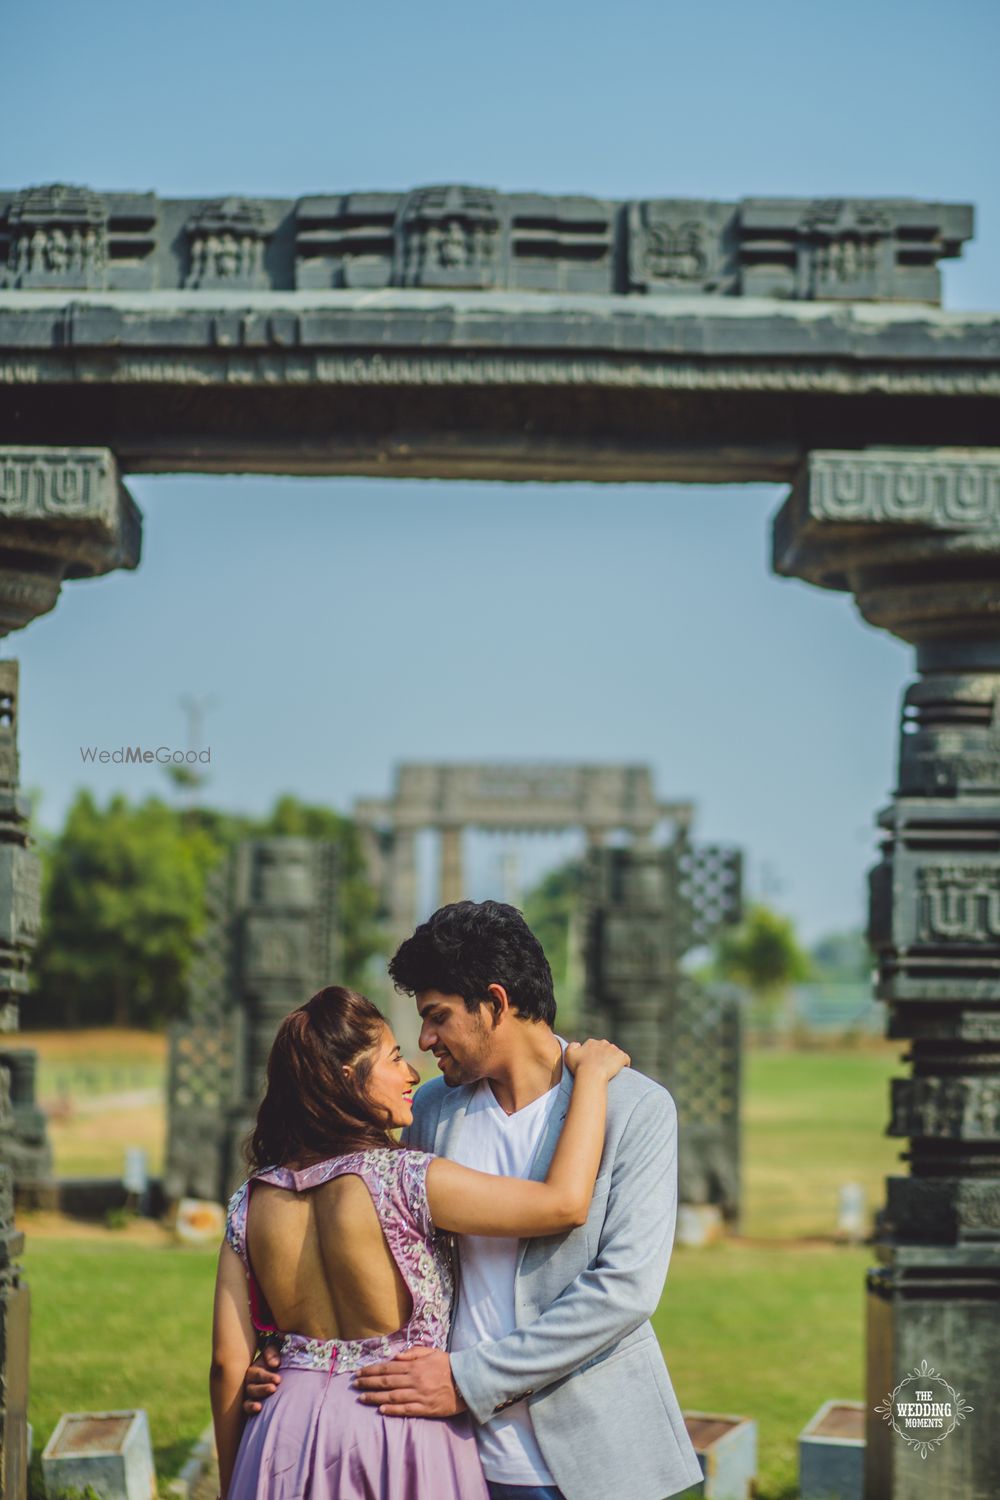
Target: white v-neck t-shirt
(492,1141)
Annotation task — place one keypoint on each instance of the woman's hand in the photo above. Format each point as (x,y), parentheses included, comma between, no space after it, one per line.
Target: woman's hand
(598,1055)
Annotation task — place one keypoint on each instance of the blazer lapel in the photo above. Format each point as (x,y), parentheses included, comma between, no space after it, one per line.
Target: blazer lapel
(547,1145)
(451,1119)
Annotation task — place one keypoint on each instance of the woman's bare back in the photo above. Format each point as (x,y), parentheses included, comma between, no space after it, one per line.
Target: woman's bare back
(322,1262)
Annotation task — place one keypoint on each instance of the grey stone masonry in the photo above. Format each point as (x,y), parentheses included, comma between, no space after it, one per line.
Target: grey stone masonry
(271,941)
(915,535)
(455,332)
(64,513)
(56,236)
(643,909)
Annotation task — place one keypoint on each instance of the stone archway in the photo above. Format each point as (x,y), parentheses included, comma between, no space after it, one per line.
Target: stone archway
(455,331)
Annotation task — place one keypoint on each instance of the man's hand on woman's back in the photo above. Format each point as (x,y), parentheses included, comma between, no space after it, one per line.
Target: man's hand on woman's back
(261,1379)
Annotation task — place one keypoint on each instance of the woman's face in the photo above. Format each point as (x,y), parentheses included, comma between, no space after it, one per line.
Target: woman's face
(391,1081)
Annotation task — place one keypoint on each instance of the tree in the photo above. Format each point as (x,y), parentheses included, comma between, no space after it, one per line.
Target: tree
(549,909)
(843,958)
(763,953)
(122,902)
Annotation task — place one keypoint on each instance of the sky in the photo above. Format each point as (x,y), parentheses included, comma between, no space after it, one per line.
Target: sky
(331,628)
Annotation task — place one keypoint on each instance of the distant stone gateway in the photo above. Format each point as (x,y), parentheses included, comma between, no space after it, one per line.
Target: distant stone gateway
(454,331)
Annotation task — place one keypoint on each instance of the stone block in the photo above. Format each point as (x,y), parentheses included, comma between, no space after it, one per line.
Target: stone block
(832,1453)
(727,1451)
(699,1224)
(110,1451)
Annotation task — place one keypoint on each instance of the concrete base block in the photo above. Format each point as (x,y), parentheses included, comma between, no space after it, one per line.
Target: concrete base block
(699,1224)
(727,1451)
(108,1450)
(832,1453)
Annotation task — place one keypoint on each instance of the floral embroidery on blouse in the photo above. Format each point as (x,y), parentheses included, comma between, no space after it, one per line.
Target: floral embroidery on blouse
(397,1181)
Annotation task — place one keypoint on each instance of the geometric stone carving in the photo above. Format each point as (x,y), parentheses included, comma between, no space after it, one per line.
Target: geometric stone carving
(934,909)
(64,514)
(642,910)
(227,242)
(272,939)
(709,892)
(915,535)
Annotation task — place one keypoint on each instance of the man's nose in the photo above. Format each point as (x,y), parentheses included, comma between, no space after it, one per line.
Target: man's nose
(426,1039)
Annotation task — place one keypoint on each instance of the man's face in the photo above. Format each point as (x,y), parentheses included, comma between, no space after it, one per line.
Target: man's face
(460,1039)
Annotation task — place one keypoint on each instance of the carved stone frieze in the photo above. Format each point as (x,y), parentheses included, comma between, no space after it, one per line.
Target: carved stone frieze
(227,242)
(449,236)
(948,1108)
(65,514)
(847,249)
(944,1210)
(677,246)
(474,238)
(58,238)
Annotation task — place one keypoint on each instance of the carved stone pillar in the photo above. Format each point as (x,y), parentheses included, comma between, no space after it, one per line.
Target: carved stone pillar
(273,940)
(452,884)
(63,514)
(915,535)
(24,1150)
(643,910)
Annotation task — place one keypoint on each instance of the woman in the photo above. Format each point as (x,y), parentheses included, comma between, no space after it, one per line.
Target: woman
(337,1237)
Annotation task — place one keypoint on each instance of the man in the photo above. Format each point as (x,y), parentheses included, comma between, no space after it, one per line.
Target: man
(551,1348)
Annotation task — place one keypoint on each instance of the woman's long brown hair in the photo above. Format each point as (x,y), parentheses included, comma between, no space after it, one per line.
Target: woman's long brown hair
(311,1110)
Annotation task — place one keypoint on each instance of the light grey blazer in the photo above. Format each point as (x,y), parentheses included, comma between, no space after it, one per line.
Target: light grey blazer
(584,1353)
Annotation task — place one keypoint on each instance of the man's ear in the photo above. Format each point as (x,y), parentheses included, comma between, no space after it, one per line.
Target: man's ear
(498,1001)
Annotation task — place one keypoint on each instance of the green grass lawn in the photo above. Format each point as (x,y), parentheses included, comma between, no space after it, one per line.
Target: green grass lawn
(118,1325)
(769,1334)
(764,1332)
(812,1121)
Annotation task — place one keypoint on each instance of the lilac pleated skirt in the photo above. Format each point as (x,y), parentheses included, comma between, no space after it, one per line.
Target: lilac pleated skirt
(315,1440)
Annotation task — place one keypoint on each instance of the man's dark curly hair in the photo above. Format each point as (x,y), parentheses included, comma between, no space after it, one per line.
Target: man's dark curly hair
(464,948)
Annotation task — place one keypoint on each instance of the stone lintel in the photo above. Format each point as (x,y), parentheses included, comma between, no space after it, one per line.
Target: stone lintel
(65,514)
(406,382)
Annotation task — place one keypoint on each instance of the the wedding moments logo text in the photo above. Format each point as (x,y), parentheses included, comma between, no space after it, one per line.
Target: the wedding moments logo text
(924,1409)
(135,755)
